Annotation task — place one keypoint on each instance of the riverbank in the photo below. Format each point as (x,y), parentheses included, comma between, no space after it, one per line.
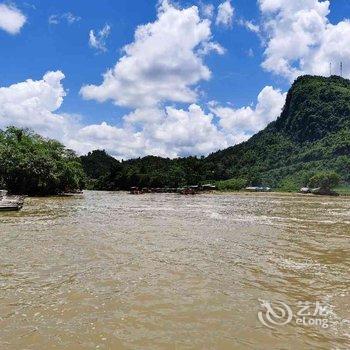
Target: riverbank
(343,192)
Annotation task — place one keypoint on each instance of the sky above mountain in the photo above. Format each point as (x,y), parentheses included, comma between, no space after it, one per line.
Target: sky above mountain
(168,78)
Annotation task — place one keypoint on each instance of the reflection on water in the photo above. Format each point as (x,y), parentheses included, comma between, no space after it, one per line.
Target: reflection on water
(114,271)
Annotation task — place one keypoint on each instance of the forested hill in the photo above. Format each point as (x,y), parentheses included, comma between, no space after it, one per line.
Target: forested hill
(312,134)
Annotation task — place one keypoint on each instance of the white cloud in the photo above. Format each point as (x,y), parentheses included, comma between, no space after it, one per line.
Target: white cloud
(249,25)
(249,120)
(188,132)
(68,17)
(209,47)
(144,115)
(32,104)
(164,62)
(98,40)
(177,133)
(11,19)
(301,40)
(207,10)
(225,14)
(118,142)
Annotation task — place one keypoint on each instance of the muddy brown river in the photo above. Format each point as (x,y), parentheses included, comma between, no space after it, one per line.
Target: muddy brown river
(115,271)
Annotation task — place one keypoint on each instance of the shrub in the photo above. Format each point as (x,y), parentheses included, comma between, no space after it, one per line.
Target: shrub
(325,180)
(231,184)
(288,185)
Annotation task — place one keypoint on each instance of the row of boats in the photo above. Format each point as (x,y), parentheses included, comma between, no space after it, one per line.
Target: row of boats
(10,203)
(189,190)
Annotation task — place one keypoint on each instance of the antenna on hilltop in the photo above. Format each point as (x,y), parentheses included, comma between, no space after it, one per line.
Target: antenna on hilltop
(341,69)
(330,69)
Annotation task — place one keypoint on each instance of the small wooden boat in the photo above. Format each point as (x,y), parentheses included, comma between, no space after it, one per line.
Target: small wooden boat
(10,203)
(7,206)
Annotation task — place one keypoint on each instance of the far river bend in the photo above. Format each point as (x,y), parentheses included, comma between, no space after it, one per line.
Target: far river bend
(164,271)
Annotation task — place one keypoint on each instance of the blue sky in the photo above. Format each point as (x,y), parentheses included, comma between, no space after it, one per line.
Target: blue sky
(55,37)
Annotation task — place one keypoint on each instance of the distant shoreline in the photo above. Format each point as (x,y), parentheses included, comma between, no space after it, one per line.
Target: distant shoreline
(216,192)
(280,193)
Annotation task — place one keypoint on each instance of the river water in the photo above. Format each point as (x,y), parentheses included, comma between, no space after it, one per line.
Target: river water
(159,271)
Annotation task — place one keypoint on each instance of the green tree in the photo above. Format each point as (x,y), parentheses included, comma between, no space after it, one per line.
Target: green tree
(231,184)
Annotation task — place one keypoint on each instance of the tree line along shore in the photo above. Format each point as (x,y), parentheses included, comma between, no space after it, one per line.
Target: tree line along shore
(35,166)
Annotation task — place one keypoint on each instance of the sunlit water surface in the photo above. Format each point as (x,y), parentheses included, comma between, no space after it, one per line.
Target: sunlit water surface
(115,271)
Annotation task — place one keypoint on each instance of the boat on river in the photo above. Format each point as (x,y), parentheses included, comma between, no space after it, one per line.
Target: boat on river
(10,203)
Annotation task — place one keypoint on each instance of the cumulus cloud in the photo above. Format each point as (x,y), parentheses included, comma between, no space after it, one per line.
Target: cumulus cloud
(225,14)
(118,142)
(11,19)
(163,63)
(178,132)
(98,41)
(246,121)
(301,40)
(188,132)
(32,103)
(68,17)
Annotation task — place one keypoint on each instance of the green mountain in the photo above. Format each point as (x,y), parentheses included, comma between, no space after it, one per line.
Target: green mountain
(311,135)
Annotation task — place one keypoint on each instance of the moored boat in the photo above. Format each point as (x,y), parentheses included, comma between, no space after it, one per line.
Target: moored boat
(10,203)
